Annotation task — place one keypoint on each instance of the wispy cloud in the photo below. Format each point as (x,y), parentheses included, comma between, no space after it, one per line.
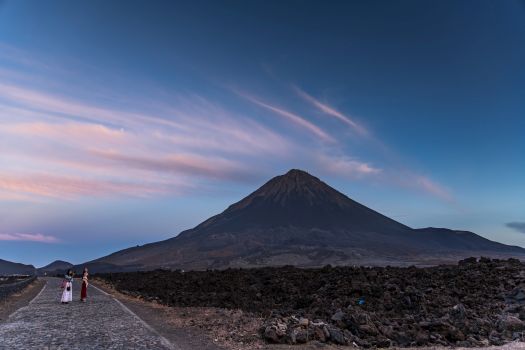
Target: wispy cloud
(181,163)
(67,132)
(345,166)
(292,117)
(331,111)
(65,107)
(66,145)
(516,225)
(105,151)
(398,174)
(431,187)
(54,186)
(32,237)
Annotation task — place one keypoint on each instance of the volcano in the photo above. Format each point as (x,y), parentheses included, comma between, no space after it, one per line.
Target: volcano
(297,219)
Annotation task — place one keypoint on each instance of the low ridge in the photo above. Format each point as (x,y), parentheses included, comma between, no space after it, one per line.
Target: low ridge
(13,268)
(56,266)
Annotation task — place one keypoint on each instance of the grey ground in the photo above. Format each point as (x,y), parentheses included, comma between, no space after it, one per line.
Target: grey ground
(101,323)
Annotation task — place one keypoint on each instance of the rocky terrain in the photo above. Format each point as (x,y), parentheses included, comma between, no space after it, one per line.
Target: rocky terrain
(474,303)
(11,285)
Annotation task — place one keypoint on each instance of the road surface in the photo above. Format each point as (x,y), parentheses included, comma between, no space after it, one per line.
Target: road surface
(100,323)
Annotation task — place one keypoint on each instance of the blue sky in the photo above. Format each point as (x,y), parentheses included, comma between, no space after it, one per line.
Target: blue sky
(123,123)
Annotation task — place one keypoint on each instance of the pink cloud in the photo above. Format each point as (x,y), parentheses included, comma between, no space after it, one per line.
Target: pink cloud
(52,186)
(433,188)
(70,132)
(331,111)
(17,197)
(187,164)
(408,179)
(53,146)
(68,108)
(32,237)
(138,155)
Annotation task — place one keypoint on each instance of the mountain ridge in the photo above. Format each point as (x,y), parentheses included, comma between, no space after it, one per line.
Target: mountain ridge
(297,219)
(14,268)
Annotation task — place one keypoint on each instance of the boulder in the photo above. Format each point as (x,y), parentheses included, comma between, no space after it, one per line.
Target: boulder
(510,323)
(337,336)
(270,335)
(301,335)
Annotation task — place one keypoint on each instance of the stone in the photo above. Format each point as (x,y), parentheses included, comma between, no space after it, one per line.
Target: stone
(326,332)
(455,334)
(495,338)
(301,336)
(468,261)
(337,336)
(270,334)
(369,329)
(319,334)
(510,323)
(402,338)
(281,328)
(422,338)
(338,316)
(458,312)
(383,342)
(303,322)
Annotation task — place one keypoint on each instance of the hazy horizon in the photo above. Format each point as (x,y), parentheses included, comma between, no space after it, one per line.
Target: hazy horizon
(126,123)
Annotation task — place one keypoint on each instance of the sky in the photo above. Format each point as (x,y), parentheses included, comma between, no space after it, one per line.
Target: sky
(126,122)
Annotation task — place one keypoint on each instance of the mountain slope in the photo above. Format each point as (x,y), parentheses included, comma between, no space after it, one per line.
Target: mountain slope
(12,268)
(55,266)
(298,219)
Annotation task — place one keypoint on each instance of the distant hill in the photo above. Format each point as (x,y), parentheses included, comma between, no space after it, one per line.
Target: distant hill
(12,268)
(55,267)
(296,219)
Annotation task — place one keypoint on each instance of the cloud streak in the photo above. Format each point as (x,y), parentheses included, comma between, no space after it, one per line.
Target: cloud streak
(30,237)
(331,111)
(180,163)
(345,166)
(517,226)
(101,151)
(294,118)
(61,146)
(53,186)
(430,186)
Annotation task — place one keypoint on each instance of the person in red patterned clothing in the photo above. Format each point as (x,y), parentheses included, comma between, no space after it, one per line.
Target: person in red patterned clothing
(83,290)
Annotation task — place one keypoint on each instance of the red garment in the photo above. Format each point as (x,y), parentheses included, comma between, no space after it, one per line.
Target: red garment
(83,291)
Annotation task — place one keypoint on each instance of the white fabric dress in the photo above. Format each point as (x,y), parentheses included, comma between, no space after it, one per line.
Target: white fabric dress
(67,295)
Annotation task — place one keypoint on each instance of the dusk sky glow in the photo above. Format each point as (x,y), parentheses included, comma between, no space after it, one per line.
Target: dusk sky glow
(123,123)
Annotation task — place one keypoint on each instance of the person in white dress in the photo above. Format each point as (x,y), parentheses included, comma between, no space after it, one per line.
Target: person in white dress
(67,285)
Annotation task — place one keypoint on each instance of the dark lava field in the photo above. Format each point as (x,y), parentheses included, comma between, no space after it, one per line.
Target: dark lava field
(474,303)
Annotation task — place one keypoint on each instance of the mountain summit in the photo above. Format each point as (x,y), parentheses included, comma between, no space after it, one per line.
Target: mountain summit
(57,265)
(298,200)
(297,219)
